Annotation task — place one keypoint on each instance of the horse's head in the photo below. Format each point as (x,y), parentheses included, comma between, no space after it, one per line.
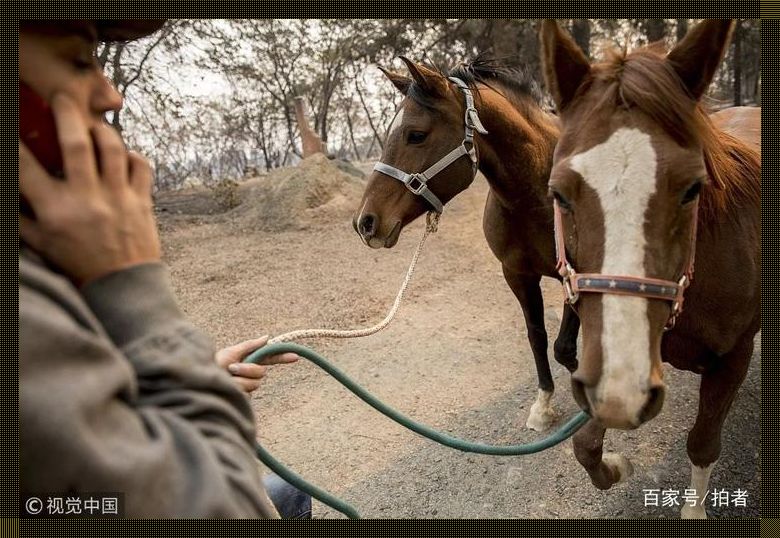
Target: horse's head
(626,176)
(428,125)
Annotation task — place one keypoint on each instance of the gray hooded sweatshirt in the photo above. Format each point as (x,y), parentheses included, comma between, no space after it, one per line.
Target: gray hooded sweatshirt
(119,393)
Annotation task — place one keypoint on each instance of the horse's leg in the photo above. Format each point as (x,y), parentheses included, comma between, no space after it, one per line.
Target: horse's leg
(565,347)
(528,292)
(605,470)
(716,394)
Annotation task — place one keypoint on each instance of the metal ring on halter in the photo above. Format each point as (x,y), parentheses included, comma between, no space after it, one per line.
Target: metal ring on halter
(421,183)
(571,297)
(677,304)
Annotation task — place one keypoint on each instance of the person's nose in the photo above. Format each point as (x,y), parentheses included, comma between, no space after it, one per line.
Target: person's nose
(105,97)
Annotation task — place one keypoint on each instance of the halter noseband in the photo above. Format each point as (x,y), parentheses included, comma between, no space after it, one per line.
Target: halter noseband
(652,288)
(417,182)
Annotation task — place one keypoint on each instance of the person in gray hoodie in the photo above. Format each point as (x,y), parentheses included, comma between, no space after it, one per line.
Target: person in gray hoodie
(118,391)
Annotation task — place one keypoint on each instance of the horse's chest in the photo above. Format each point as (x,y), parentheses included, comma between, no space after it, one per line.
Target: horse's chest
(685,353)
(518,241)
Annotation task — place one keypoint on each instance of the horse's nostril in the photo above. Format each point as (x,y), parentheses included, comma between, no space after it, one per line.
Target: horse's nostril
(367,225)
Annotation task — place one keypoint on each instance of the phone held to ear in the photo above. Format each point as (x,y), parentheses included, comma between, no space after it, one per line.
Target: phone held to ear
(38,131)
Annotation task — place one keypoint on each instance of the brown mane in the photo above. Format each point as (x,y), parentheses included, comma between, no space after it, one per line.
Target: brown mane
(643,80)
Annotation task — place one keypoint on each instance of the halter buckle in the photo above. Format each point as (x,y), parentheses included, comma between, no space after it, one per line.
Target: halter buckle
(469,119)
(473,121)
(684,282)
(568,289)
(571,297)
(677,304)
(421,183)
(672,321)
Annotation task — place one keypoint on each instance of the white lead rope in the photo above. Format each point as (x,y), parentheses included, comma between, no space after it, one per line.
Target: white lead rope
(432,224)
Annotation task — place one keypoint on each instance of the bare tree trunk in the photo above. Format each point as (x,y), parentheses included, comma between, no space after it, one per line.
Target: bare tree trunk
(655,29)
(290,131)
(682,28)
(329,88)
(581,32)
(118,79)
(504,39)
(266,158)
(375,139)
(368,113)
(738,63)
(370,147)
(347,115)
(105,52)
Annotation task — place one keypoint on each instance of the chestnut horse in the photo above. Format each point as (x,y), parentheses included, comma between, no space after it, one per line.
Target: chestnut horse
(643,180)
(515,157)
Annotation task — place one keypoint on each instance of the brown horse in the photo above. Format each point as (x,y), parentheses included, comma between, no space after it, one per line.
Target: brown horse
(515,157)
(644,180)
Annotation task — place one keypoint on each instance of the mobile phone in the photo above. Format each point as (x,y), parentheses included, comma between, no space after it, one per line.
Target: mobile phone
(38,131)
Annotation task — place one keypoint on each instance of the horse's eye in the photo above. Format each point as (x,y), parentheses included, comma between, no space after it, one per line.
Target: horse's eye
(562,202)
(692,192)
(416,137)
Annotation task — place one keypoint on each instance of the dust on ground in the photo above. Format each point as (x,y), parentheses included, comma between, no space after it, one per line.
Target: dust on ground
(455,358)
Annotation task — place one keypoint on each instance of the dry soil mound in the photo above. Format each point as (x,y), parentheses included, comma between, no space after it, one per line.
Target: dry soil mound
(297,197)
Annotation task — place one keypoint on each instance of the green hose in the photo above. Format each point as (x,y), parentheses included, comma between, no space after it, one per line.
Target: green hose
(566,431)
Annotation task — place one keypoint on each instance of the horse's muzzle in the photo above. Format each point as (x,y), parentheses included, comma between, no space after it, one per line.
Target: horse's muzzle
(367,227)
(615,413)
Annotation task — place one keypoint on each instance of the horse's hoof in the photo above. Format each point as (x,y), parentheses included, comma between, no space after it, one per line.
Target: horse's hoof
(693,512)
(620,465)
(542,414)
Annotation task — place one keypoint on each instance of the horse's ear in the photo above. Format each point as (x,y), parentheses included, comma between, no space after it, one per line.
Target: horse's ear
(429,80)
(565,65)
(696,58)
(399,81)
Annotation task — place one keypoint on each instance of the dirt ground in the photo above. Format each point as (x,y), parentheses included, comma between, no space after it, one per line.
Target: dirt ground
(456,358)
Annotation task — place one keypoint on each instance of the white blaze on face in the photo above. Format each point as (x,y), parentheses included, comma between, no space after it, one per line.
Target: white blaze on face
(622,172)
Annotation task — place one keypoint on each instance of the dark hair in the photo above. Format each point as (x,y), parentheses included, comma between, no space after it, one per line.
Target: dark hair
(486,70)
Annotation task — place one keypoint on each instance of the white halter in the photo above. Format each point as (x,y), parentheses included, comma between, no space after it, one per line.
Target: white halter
(417,182)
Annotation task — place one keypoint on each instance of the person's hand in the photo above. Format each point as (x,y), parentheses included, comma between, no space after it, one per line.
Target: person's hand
(99,219)
(246,375)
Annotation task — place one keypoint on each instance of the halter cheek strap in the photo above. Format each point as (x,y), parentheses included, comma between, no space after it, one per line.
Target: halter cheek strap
(652,288)
(417,182)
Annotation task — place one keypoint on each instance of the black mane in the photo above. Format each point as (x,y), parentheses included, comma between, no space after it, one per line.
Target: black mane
(486,70)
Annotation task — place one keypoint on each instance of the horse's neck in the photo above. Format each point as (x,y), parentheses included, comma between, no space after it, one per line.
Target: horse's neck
(516,154)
